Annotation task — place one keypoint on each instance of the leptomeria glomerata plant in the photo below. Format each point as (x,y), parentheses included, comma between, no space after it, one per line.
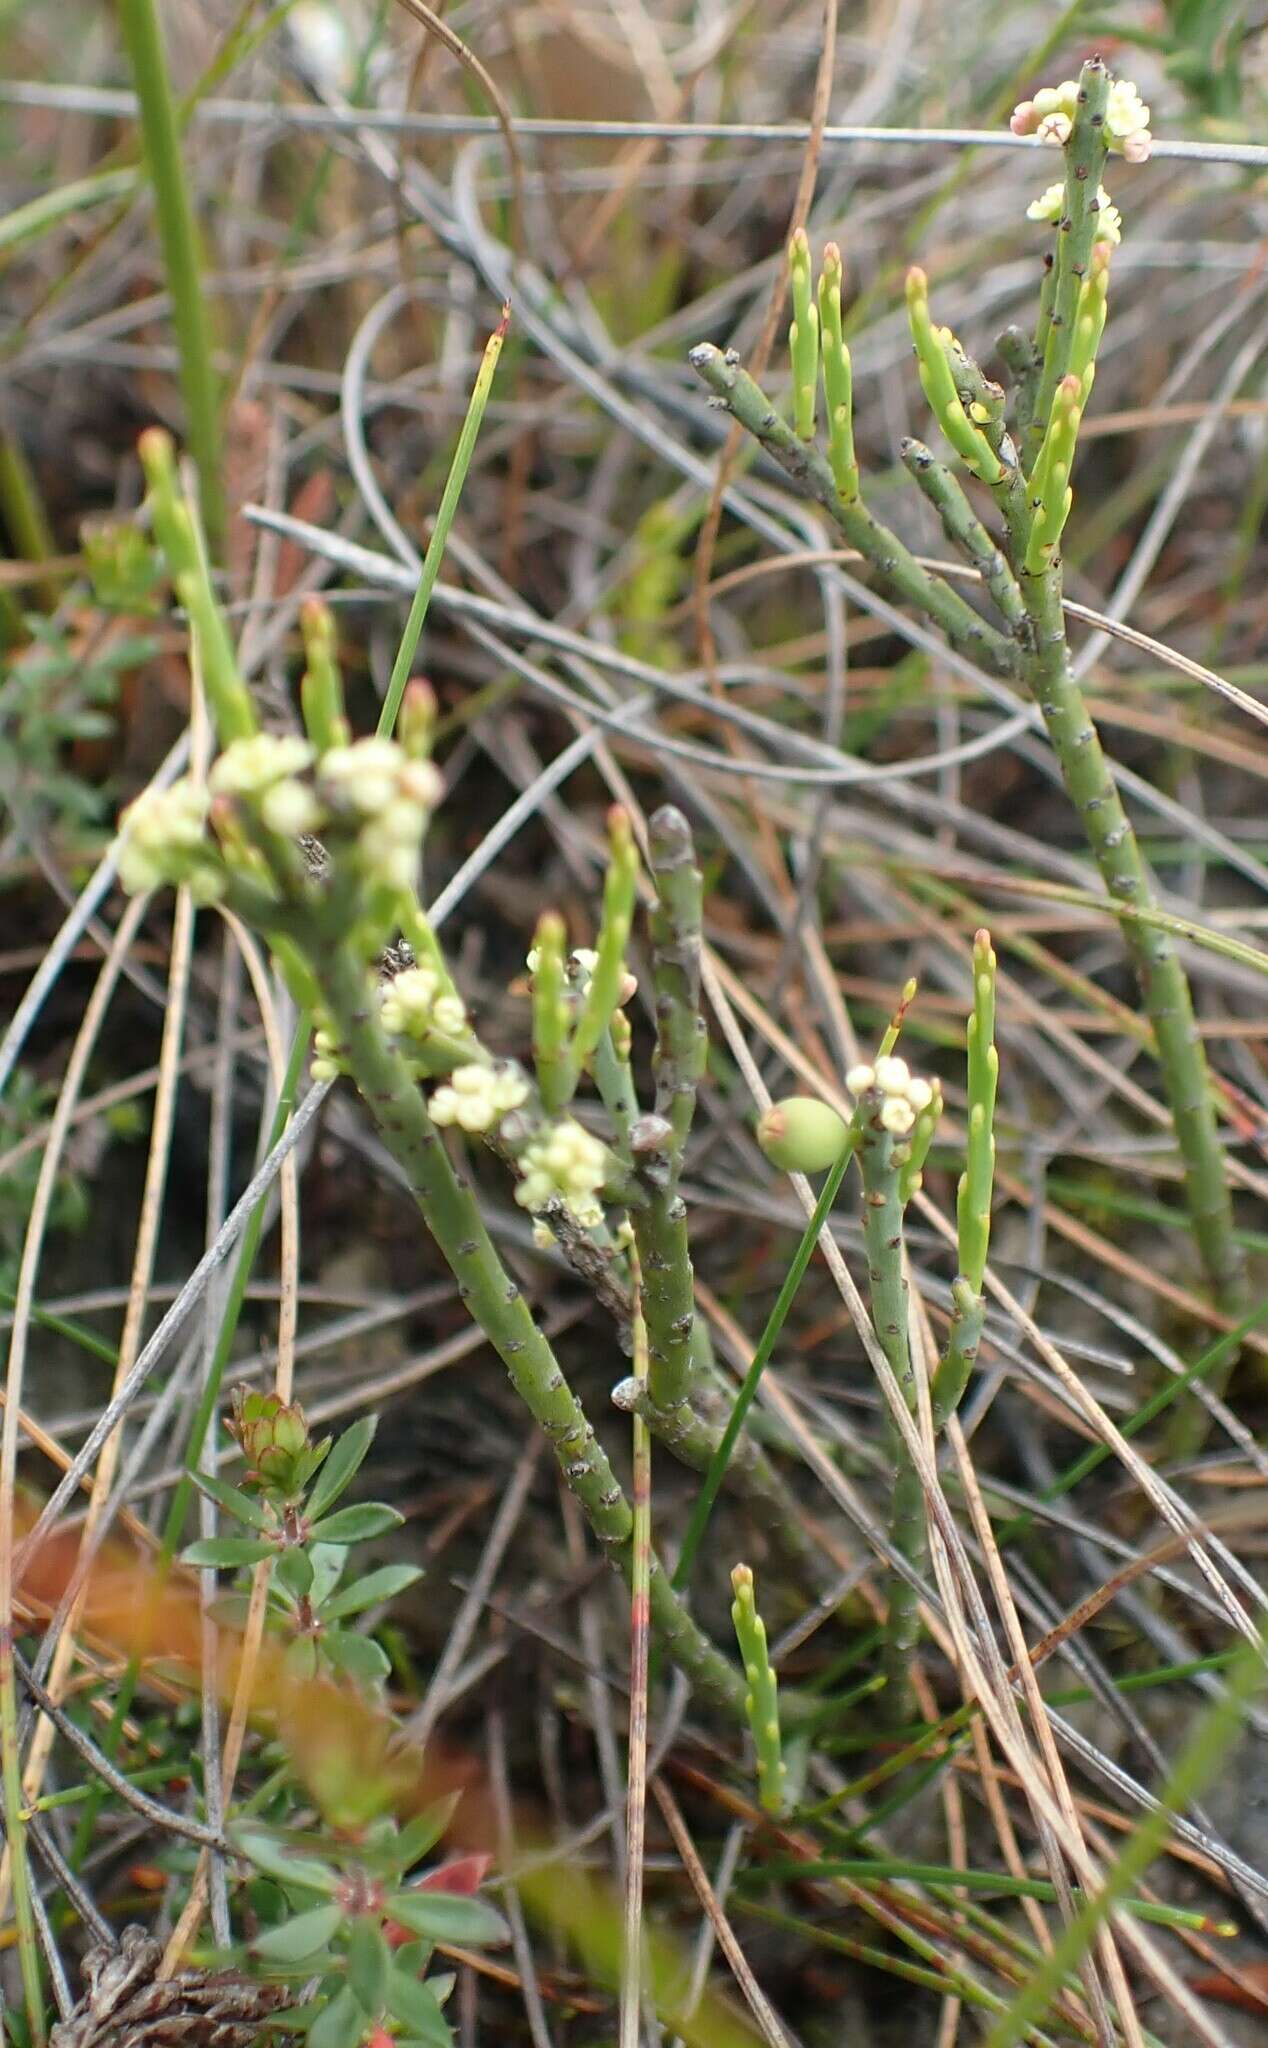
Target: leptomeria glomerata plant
(315,841)
(1018,451)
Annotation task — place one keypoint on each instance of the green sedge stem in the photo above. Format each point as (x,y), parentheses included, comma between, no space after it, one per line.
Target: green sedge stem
(761,1358)
(178,234)
(440,530)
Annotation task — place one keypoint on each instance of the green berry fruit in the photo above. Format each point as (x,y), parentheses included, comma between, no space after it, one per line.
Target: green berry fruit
(802,1135)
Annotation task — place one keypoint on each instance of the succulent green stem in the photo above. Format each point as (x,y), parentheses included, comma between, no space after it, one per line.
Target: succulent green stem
(321,686)
(1085,155)
(803,336)
(693,1432)
(897,571)
(606,981)
(838,379)
(660,1228)
(762,1697)
(1163,984)
(453,1218)
(973,1199)
(965,530)
(177,535)
(938,384)
(550,1011)
(883,1240)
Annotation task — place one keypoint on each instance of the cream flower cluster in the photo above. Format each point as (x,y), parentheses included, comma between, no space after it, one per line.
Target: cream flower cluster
(564,1164)
(373,781)
(161,839)
(476,1097)
(415,1002)
(265,769)
(1127,122)
(1050,203)
(326,1064)
(1050,116)
(903,1095)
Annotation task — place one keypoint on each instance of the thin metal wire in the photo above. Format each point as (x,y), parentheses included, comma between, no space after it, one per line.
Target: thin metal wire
(97,100)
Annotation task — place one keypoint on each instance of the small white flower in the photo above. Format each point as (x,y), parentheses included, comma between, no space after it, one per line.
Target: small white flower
(585,1210)
(475,1097)
(1047,207)
(405,1004)
(919,1094)
(1050,205)
(1057,99)
(290,808)
(326,1064)
(161,836)
(363,777)
(564,1163)
(897,1115)
(893,1076)
(544,1237)
(1138,147)
(249,767)
(1055,129)
(449,1015)
(423,783)
(1125,112)
(389,844)
(860,1079)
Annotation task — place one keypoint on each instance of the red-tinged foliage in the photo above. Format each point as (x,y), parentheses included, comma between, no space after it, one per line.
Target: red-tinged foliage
(464,1874)
(1249,1989)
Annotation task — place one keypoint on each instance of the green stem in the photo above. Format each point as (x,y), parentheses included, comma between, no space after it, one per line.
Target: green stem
(1085,157)
(1023,362)
(792,1280)
(694,1430)
(15,1834)
(454,1221)
(24,516)
(660,1229)
(883,1239)
(178,234)
(897,571)
(1163,984)
(965,531)
(440,530)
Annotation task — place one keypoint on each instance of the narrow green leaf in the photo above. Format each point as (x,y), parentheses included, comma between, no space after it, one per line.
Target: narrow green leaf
(444,1916)
(382,1584)
(232,1499)
(295,1571)
(369,1962)
(298,1938)
(416,2006)
(276,1857)
(360,1656)
(222,1551)
(338,2025)
(341,1465)
(355,1524)
(424,1831)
